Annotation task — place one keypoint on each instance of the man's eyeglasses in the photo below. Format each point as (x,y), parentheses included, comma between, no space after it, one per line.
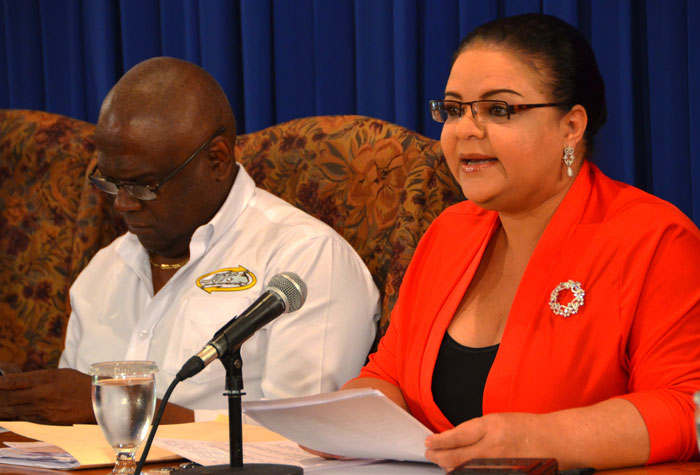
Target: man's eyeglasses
(145,192)
(485,111)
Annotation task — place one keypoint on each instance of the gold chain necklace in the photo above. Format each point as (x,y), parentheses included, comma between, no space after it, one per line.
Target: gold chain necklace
(177,265)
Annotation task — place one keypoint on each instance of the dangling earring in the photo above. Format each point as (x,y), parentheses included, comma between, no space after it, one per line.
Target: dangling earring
(569,159)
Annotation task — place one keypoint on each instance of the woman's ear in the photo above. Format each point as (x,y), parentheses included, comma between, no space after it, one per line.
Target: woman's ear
(573,125)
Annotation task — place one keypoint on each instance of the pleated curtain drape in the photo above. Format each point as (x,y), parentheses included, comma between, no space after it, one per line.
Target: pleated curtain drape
(282,59)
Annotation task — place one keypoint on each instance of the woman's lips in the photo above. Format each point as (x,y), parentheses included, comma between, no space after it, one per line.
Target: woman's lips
(475,163)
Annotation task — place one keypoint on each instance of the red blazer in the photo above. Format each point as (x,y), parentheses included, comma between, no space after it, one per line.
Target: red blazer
(636,336)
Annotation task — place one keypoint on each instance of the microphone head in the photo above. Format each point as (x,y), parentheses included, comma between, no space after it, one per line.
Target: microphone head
(291,288)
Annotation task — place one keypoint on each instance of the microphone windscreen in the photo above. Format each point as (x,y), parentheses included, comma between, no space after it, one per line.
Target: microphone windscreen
(291,288)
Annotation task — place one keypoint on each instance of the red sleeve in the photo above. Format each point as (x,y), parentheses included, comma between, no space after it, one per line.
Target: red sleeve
(663,348)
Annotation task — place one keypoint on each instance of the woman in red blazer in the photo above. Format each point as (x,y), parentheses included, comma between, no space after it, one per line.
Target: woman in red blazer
(556,313)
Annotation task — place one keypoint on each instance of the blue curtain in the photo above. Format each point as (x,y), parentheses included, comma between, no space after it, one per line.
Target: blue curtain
(282,59)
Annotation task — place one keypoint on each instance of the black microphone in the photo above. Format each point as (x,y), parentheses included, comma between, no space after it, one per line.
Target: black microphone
(285,292)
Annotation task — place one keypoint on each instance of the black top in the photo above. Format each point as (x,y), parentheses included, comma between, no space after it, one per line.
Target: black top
(459,378)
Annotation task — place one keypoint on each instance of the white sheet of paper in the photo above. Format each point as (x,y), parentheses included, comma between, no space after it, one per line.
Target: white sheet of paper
(37,454)
(359,423)
(278,452)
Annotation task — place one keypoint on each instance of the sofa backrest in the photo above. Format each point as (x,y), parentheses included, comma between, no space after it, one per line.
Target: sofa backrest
(378,184)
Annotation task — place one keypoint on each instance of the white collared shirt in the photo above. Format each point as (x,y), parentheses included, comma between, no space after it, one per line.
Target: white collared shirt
(254,236)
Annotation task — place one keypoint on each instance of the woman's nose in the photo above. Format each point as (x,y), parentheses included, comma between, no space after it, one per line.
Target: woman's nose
(469,126)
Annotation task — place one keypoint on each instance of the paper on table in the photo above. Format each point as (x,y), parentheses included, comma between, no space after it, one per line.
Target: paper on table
(37,454)
(276,452)
(361,423)
(85,443)
(214,431)
(253,433)
(88,446)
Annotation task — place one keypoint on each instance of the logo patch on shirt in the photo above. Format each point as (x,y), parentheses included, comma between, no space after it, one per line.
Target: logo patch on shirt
(228,279)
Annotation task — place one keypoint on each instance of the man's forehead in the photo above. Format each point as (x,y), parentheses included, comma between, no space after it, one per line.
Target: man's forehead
(135,145)
(142,132)
(116,121)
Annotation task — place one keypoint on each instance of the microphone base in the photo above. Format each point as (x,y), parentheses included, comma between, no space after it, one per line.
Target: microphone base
(247,469)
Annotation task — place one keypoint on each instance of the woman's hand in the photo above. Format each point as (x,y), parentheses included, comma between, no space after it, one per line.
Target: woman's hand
(609,434)
(490,436)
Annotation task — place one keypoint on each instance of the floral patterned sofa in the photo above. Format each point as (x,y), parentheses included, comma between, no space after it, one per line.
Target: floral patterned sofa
(376,183)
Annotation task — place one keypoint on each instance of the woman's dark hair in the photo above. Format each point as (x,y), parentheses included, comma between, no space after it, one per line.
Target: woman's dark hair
(561,55)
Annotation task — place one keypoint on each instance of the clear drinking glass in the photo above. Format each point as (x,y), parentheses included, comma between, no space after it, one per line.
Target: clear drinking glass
(124,399)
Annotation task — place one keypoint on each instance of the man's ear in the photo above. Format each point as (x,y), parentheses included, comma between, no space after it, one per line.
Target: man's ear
(573,125)
(221,159)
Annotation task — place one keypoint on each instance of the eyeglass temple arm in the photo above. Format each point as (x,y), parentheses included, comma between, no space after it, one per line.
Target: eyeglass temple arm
(184,164)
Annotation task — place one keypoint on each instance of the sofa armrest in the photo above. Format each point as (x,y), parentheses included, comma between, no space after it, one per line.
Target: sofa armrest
(51,223)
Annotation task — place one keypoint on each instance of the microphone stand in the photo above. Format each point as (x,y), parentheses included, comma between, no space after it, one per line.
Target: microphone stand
(234,391)
(287,292)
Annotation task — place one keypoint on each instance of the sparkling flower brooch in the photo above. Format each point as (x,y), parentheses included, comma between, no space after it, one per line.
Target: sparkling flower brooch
(573,306)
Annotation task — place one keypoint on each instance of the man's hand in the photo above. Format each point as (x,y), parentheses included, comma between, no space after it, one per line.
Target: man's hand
(6,368)
(52,396)
(491,436)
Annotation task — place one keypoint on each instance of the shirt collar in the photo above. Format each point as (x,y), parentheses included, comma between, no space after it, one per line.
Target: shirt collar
(225,219)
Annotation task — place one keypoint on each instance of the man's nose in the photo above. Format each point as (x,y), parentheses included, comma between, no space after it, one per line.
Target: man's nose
(124,202)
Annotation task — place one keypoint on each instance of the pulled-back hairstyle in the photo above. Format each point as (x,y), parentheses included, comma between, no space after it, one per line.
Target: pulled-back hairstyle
(560,54)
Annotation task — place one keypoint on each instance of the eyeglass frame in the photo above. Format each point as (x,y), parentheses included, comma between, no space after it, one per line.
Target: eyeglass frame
(98,182)
(510,108)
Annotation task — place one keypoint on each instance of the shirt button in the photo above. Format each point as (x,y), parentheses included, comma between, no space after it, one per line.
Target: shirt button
(143,334)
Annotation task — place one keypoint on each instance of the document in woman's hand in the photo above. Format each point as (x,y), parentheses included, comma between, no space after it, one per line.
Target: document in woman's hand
(361,423)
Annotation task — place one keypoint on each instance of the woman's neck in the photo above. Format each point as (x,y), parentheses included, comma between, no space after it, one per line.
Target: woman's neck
(524,229)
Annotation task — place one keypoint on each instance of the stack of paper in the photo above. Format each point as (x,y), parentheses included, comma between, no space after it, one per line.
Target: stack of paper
(277,452)
(360,423)
(84,442)
(37,454)
(65,447)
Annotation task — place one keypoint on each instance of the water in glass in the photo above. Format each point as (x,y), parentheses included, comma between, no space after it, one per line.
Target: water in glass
(124,398)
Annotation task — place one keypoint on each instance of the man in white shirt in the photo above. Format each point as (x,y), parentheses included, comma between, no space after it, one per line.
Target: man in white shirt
(201,245)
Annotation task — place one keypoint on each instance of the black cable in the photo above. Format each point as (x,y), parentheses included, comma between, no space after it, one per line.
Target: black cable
(156,422)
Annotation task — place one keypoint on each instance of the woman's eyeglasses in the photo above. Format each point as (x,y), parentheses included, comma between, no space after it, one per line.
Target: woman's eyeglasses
(486,111)
(145,192)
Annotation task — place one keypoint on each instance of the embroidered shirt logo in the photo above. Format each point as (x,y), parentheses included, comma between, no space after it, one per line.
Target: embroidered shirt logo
(228,279)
